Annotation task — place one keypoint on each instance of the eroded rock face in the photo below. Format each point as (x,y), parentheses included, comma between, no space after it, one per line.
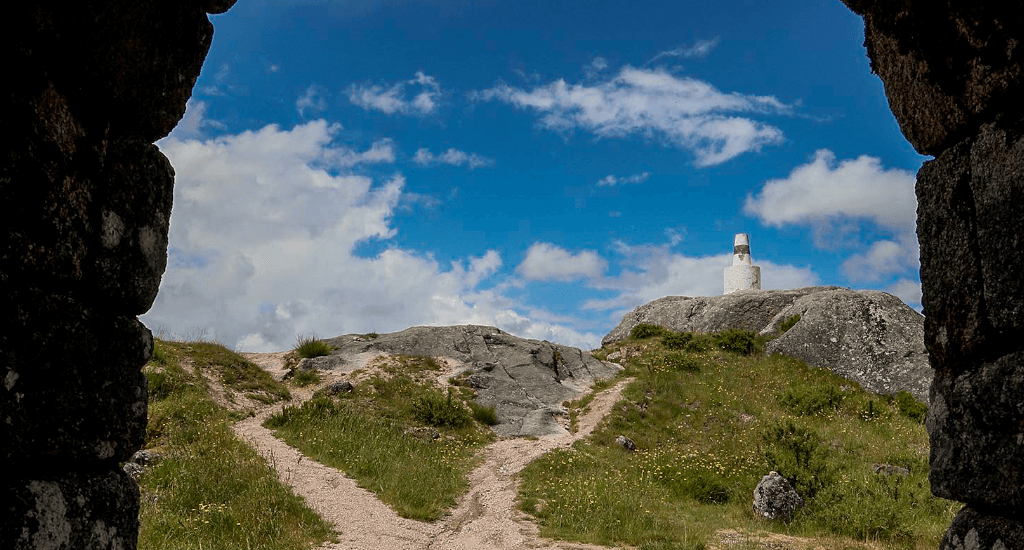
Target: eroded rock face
(525,380)
(86,198)
(870,337)
(953,73)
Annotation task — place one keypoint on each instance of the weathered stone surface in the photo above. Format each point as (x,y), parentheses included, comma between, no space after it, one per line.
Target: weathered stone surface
(975,530)
(945,65)
(72,384)
(745,309)
(775,498)
(625,443)
(976,426)
(525,380)
(953,73)
(867,336)
(86,199)
(870,337)
(96,510)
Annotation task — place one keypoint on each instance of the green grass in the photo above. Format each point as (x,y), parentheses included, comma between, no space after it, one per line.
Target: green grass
(211,490)
(365,434)
(308,347)
(708,424)
(305,378)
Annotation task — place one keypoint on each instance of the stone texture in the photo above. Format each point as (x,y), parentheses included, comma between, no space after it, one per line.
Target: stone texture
(525,380)
(744,309)
(870,337)
(953,75)
(975,530)
(945,65)
(775,498)
(86,200)
(78,509)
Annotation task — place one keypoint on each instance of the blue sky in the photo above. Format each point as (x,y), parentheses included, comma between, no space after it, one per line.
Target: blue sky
(544,167)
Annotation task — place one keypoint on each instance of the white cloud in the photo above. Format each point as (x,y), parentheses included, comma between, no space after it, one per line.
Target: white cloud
(546,261)
(698,49)
(452,156)
(392,100)
(312,99)
(686,112)
(594,68)
(907,290)
(261,249)
(194,121)
(610,179)
(833,198)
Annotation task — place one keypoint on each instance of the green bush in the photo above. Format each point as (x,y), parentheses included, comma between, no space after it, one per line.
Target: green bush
(309,347)
(642,331)
(788,323)
(911,407)
(809,400)
(676,340)
(441,411)
(682,362)
(797,454)
(484,415)
(738,341)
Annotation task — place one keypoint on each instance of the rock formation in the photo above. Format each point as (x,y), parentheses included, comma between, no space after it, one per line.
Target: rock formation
(954,77)
(870,337)
(775,498)
(86,198)
(525,380)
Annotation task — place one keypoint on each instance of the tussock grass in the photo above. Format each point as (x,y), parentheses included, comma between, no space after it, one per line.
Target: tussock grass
(708,424)
(308,347)
(376,435)
(305,378)
(211,490)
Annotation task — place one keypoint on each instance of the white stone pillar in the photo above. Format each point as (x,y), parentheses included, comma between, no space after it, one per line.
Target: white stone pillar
(741,275)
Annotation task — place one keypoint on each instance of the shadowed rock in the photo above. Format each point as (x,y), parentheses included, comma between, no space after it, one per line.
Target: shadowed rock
(525,380)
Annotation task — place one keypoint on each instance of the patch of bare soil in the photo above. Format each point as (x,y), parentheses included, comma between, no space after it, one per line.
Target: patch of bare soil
(485,517)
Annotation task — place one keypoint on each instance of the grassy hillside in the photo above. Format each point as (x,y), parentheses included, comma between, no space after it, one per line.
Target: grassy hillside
(708,422)
(397,435)
(211,490)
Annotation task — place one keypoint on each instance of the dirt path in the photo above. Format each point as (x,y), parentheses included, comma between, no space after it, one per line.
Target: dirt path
(484,519)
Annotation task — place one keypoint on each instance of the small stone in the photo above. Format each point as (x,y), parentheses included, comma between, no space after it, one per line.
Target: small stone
(133,470)
(889,469)
(775,498)
(626,443)
(145,458)
(340,386)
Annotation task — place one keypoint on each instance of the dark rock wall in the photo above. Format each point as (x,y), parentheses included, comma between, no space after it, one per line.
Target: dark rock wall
(954,77)
(86,198)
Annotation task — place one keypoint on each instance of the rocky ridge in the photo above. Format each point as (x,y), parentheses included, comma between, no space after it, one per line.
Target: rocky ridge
(870,337)
(525,380)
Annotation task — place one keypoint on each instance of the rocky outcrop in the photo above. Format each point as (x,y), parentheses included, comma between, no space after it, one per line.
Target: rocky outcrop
(867,336)
(86,198)
(775,498)
(525,380)
(954,76)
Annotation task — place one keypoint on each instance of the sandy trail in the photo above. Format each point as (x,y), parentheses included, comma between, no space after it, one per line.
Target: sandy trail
(484,519)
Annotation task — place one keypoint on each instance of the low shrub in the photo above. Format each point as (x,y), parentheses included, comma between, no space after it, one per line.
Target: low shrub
(676,340)
(739,341)
(810,400)
(683,362)
(441,411)
(642,331)
(797,454)
(484,415)
(788,323)
(303,378)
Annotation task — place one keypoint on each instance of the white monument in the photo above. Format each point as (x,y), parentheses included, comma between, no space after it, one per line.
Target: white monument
(741,275)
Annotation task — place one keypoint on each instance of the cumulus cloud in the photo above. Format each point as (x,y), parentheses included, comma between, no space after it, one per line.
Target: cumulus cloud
(261,249)
(546,261)
(312,100)
(835,197)
(594,68)
(698,49)
(611,180)
(194,123)
(685,112)
(394,99)
(453,157)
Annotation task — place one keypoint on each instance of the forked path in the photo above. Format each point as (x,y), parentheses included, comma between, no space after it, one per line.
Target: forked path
(485,518)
